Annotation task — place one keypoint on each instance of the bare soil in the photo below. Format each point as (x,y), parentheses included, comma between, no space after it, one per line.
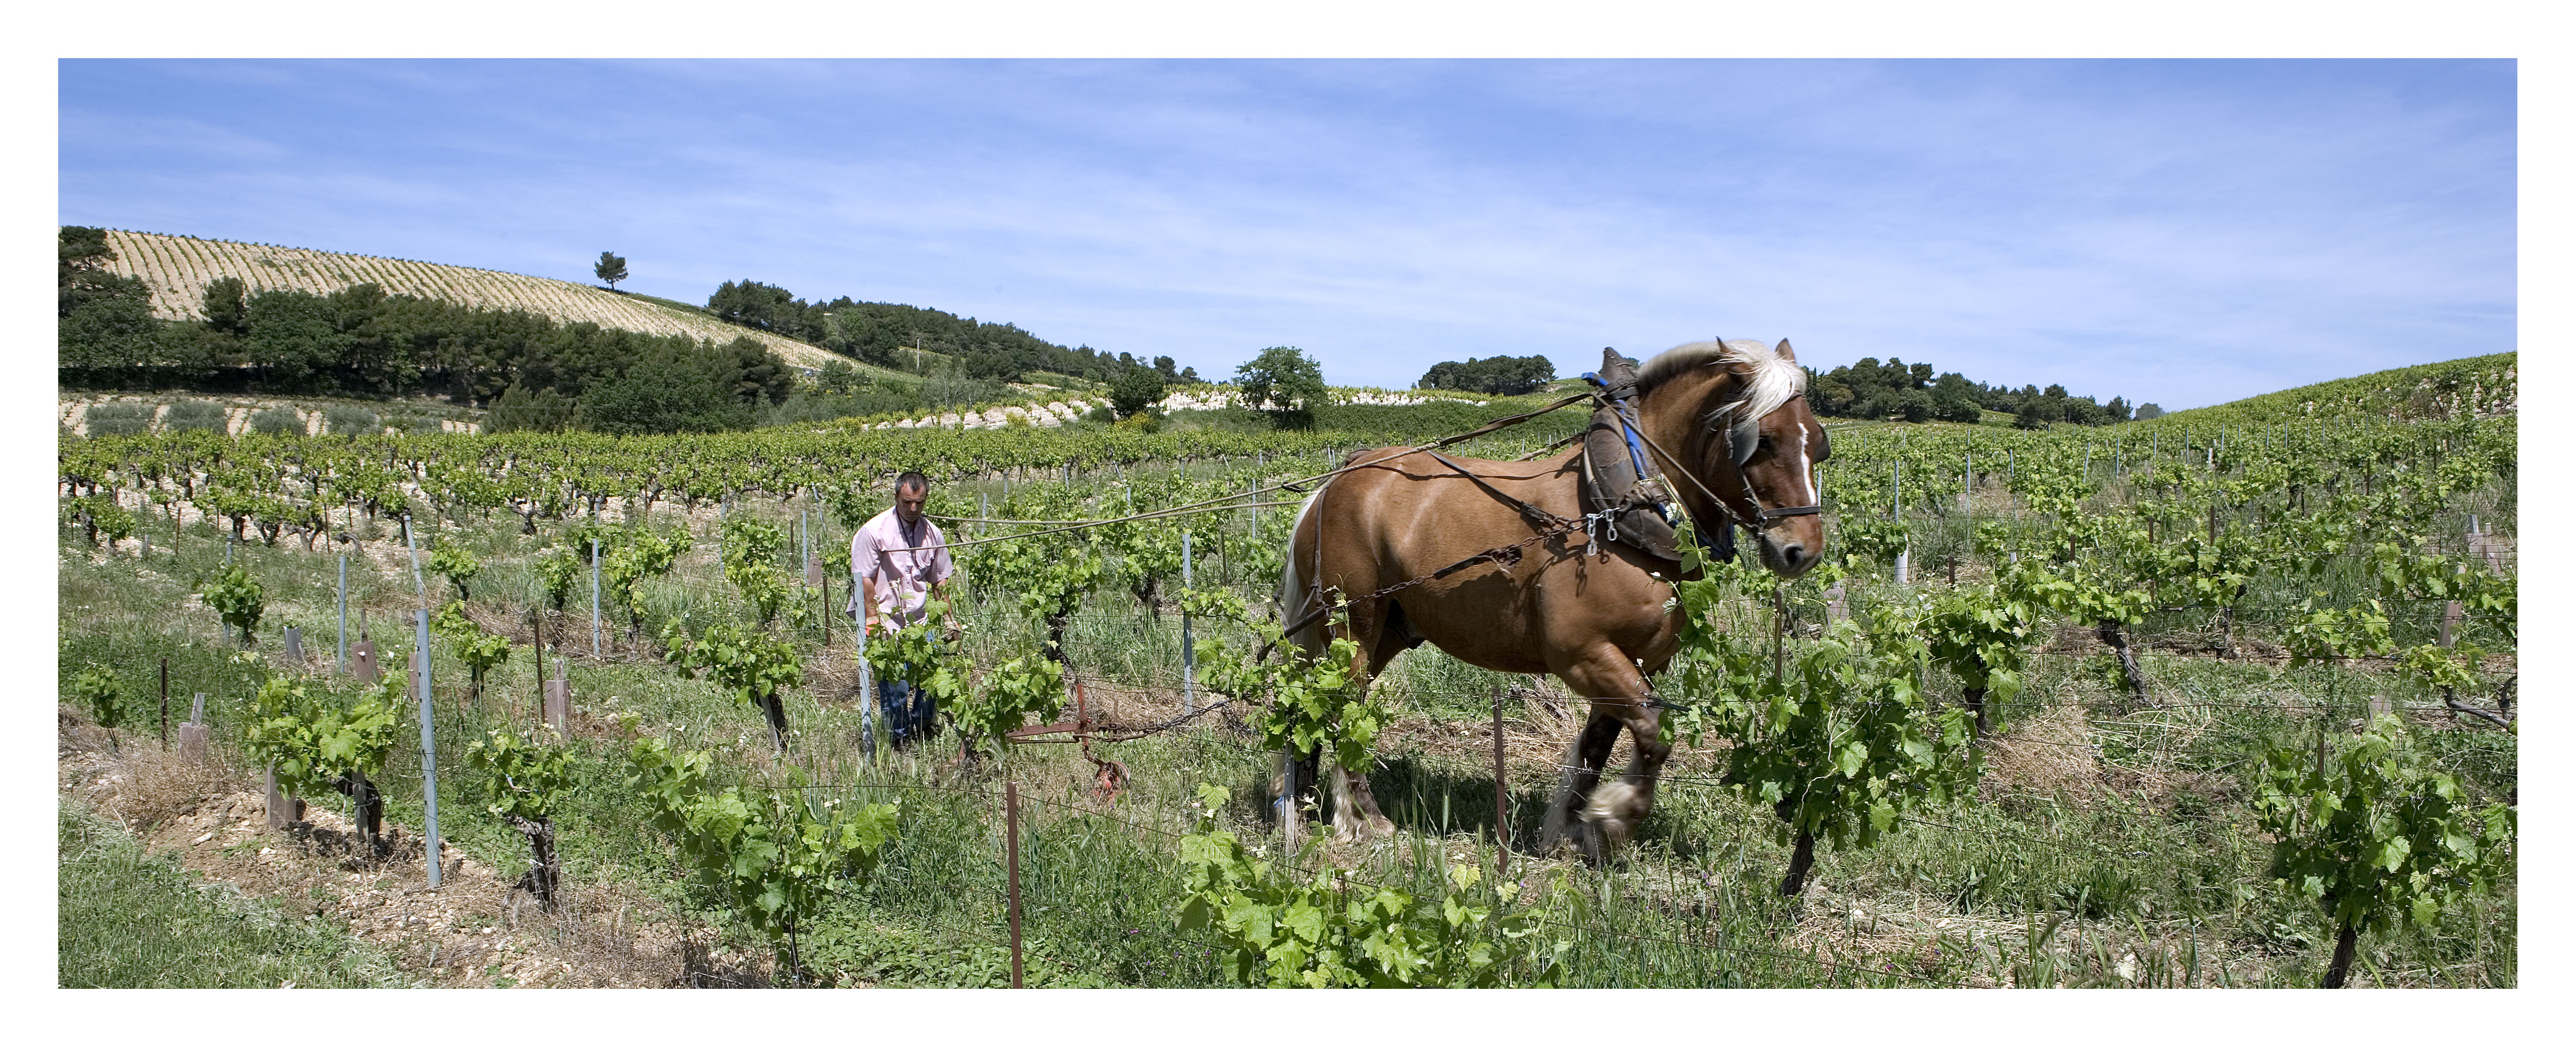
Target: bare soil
(479,929)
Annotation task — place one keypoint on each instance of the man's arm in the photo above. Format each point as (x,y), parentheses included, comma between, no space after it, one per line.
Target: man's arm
(863,563)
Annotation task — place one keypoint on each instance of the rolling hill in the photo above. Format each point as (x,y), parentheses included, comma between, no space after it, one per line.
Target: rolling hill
(2475,386)
(178,267)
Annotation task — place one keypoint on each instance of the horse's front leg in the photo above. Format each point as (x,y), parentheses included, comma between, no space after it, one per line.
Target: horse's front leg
(1579,769)
(1617,808)
(1609,813)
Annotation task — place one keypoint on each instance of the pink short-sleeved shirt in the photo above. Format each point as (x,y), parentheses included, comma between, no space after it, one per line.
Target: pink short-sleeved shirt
(903,566)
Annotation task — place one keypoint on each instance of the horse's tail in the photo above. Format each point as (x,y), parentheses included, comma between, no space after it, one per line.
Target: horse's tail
(1297,597)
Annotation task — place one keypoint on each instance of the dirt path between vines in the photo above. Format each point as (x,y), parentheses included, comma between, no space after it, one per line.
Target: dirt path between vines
(476,931)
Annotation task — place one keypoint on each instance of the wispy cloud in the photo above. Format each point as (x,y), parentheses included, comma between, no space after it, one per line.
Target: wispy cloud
(2177,232)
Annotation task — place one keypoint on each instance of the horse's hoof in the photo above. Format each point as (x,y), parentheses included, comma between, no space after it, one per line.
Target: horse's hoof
(1372,830)
(1595,846)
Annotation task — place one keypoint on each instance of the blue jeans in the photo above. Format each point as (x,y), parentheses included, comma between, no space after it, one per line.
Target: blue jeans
(910,715)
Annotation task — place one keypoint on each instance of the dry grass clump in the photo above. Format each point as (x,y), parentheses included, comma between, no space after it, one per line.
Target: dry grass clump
(155,786)
(2050,754)
(132,777)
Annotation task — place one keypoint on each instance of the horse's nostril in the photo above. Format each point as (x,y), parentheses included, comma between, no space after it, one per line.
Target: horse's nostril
(1793,554)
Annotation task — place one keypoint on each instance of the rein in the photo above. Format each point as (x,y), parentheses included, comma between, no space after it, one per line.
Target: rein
(1551,525)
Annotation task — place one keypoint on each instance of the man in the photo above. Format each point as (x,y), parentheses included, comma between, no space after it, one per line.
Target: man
(899,561)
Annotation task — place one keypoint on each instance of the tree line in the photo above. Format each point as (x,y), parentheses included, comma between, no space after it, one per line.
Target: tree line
(1866,389)
(361,341)
(888,334)
(1493,375)
(1896,389)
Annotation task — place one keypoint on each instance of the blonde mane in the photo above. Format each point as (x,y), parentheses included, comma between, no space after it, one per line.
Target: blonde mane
(1767,380)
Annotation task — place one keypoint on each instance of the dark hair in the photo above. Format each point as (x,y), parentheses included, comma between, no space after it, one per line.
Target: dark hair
(912,479)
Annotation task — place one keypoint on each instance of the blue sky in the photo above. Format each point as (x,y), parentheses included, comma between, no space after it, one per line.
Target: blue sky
(2179,232)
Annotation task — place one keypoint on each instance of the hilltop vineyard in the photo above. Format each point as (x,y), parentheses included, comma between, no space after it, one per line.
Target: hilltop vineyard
(177,269)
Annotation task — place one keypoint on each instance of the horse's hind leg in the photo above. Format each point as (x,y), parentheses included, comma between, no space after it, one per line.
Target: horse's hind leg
(1355,814)
(1581,769)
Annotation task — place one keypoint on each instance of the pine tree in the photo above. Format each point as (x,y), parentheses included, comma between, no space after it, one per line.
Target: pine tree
(610,269)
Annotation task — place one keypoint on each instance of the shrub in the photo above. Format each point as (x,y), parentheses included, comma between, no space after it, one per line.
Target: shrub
(521,409)
(99,689)
(118,419)
(838,378)
(278,421)
(664,393)
(2375,833)
(238,597)
(193,415)
(349,420)
(1282,930)
(100,515)
(1133,392)
(1914,405)
(803,406)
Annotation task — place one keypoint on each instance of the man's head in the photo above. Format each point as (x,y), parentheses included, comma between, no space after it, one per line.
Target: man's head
(910,491)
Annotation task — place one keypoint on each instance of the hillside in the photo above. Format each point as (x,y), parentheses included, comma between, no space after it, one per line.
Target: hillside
(178,267)
(2476,386)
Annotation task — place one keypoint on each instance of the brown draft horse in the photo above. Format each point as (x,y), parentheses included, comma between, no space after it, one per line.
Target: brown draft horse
(1593,615)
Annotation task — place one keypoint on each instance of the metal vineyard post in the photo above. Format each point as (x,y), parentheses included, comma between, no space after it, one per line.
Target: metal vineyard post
(1896,512)
(428,736)
(428,755)
(867,686)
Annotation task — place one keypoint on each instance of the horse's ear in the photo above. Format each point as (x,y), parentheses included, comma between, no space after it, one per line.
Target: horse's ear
(1784,352)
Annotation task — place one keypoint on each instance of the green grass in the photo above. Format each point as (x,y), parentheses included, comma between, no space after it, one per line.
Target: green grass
(127,920)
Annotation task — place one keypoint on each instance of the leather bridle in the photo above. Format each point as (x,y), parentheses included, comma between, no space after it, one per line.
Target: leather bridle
(1759,516)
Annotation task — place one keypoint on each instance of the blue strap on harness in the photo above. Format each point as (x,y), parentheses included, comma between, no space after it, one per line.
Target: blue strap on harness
(1627,429)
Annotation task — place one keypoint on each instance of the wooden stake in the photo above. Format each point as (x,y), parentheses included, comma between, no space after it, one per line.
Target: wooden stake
(1502,798)
(1011,853)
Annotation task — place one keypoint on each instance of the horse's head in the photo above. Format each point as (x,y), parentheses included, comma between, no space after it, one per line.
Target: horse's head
(1736,413)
